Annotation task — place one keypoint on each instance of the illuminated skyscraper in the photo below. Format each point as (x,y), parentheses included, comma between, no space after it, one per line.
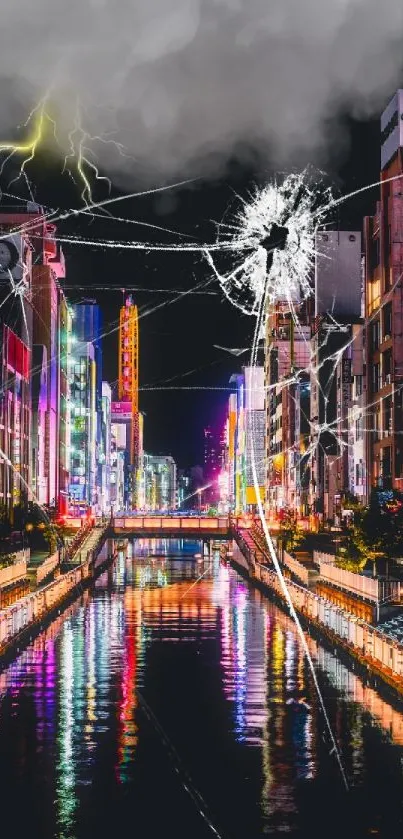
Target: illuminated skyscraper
(87,320)
(64,333)
(83,423)
(383,375)
(160,482)
(212,464)
(104,453)
(246,438)
(118,457)
(128,381)
(36,411)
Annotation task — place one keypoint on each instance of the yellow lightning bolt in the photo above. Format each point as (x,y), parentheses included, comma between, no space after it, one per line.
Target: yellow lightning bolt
(79,152)
(29,147)
(78,161)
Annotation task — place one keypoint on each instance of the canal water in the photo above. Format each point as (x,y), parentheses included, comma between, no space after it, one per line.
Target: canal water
(173,700)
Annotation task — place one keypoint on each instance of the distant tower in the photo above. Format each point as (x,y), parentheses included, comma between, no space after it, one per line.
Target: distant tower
(129,355)
(128,382)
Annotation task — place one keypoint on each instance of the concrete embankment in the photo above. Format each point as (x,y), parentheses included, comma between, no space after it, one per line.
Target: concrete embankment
(374,654)
(20,622)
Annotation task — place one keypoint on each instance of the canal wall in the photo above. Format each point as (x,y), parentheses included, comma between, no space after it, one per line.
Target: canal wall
(13,573)
(40,572)
(28,616)
(368,588)
(368,646)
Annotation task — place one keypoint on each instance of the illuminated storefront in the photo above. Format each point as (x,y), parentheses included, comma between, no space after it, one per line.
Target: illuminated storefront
(14,420)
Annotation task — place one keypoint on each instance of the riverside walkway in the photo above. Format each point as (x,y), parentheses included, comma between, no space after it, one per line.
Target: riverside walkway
(19,620)
(380,654)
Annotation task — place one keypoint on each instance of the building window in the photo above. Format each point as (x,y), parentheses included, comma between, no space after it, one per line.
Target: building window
(387,321)
(358,385)
(374,255)
(375,378)
(359,429)
(375,335)
(387,416)
(387,367)
(376,422)
(386,466)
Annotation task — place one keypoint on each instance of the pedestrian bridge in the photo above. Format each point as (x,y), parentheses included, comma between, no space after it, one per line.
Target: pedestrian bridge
(178,526)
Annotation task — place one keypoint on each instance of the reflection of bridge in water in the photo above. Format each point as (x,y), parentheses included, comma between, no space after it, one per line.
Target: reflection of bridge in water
(164,548)
(210,527)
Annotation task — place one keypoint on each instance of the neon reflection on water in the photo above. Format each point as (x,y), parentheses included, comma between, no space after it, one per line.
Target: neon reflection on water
(128,729)
(240,661)
(133,643)
(65,779)
(73,664)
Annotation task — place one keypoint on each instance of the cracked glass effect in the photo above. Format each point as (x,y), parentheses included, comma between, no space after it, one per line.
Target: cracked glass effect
(272,244)
(267,255)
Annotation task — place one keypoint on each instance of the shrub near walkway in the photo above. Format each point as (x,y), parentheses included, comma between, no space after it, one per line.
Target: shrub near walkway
(376,535)
(6,560)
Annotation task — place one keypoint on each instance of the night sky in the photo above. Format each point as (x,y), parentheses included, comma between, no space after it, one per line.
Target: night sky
(179,337)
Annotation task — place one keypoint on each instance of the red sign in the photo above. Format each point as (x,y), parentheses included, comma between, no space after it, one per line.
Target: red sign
(17,354)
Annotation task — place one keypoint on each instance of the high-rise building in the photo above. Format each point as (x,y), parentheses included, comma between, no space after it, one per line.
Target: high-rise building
(128,385)
(212,461)
(197,487)
(246,439)
(383,248)
(83,425)
(231,464)
(118,467)
(104,452)
(45,334)
(295,442)
(254,433)
(338,308)
(16,364)
(160,482)
(15,421)
(215,445)
(238,470)
(87,323)
(140,474)
(184,484)
(121,436)
(287,360)
(31,263)
(64,337)
(39,408)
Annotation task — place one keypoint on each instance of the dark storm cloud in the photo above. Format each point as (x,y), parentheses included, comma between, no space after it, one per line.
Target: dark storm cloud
(179,81)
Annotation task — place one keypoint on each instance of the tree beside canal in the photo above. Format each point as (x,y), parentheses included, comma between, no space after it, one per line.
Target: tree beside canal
(290,534)
(377,531)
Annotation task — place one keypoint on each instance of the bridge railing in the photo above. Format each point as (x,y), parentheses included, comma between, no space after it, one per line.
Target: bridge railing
(171,523)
